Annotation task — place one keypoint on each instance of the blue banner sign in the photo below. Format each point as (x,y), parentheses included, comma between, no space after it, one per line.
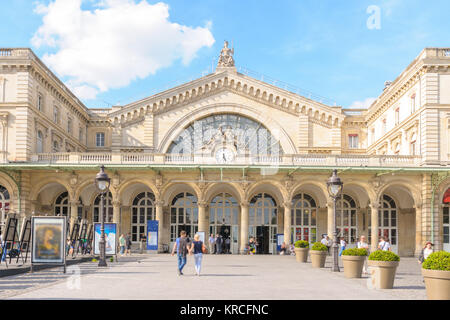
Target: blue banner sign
(152,234)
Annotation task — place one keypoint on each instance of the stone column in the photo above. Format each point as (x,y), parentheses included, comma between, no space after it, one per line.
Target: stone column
(159,216)
(374,226)
(116,215)
(287,222)
(330,219)
(202,222)
(244,226)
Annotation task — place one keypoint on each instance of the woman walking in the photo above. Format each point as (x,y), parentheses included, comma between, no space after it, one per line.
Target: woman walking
(122,244)
(198,249)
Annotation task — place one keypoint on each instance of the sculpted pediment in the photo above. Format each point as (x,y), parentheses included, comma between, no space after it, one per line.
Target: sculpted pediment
(232,83)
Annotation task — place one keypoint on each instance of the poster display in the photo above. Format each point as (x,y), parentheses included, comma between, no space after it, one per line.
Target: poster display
(201,235)
(110,238)
(48,234)
(152,234)
(280,240)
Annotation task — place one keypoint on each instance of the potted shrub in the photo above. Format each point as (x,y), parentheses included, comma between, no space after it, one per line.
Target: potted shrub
(353,261)
(318,254)
(301,250)
(384,265)
(436,274)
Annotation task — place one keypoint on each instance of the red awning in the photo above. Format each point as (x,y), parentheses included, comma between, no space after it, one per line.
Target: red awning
(447,197)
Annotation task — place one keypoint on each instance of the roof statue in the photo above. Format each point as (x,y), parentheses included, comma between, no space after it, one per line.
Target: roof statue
(226,56)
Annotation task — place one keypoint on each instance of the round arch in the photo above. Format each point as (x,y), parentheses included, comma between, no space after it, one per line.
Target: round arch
(398,189)
(172,189)
(318,190)
(227,187)
(273,188)
(271,124)
(42,184)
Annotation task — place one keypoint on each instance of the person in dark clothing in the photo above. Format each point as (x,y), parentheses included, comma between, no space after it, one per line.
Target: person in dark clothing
(128,242)
(219,243)
(181,245)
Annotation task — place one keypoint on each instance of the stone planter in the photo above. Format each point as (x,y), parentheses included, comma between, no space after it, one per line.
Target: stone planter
(301,254)
(437,283)
(383,273)
(353,266)
(318,258)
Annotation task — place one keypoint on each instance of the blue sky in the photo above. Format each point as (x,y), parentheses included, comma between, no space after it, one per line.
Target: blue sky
(315,45)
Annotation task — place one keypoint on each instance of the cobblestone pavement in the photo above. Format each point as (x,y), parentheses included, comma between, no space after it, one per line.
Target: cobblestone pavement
(152,276)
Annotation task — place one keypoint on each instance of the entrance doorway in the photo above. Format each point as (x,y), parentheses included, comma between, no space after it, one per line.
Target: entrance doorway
(225,232)
(263,239)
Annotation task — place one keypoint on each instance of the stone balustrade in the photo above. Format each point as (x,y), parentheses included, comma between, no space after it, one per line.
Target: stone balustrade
(338,160)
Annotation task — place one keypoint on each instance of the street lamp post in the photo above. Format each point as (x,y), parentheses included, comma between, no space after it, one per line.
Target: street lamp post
(335,186)
(102,182)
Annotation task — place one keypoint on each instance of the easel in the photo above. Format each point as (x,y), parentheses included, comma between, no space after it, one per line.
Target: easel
(82,236)
(24,239)
(9,237)
(74,236)
(90,233)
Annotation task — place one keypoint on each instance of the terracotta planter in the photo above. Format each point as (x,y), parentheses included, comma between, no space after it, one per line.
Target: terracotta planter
(437,283)
(383,273)
(318,258)
(301,254)
(353,266)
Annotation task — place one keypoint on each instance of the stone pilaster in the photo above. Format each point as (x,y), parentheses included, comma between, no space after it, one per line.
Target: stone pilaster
(148,130)
(287,222)
(116,215)
(202,221)
(419,240)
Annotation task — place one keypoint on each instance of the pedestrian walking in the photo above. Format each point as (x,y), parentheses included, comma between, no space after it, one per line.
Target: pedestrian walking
(227,245)
(142,243)
(384,244)
(122,244)
(219,244)
(128,244)
(343,244)
(426,251)
(283,248)
(197,248)
(212,243)
(181,246)
(362,244)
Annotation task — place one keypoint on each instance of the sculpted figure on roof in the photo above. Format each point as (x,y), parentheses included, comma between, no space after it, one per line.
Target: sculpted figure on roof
(226,56)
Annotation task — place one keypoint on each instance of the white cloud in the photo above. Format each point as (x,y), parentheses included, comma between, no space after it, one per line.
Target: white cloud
(118,42)
(362,104)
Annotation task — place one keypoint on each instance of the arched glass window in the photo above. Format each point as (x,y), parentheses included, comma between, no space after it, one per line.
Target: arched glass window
(108,209)
(4,199)
(346,219)
(387,221)
(446,220)
(183,215)
(142,210)
(246,135)
(263,221)
(40,142)
(304,218)
(62,206)
(224,216)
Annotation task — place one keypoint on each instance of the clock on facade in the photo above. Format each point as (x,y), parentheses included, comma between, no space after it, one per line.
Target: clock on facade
(224,155)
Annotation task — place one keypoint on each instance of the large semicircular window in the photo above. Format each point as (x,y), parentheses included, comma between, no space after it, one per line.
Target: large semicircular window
(245,135)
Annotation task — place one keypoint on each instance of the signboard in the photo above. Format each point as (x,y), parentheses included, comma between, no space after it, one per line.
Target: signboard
(110,238)
(48,234)
(202,236)
(280,240)
(152,234)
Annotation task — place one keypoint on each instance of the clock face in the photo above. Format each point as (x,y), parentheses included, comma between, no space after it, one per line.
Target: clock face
(224,155)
